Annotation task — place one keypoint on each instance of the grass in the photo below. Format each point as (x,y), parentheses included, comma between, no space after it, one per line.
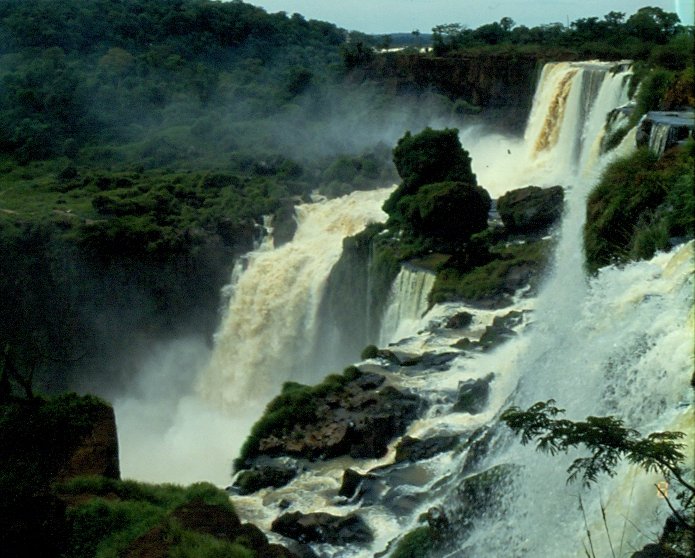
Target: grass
(117,512)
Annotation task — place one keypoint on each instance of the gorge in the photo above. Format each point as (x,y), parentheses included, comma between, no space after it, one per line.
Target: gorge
(596,345)
(270,288)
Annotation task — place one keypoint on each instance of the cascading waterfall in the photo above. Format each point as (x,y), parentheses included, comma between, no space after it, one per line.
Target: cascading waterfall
(597,346)
(407,304)
(618,344)
(267,336)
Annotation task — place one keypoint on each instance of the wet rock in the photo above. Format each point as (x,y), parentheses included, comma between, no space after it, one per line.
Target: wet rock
(402,358)
(500,330)
(255,479)
(531,209)
(353,483)
(372,434)
(403,503)
(359,420)
(437,361)
(414,449)
(459,320)
(284,223)
(473,395)
(464,344)
(323,528)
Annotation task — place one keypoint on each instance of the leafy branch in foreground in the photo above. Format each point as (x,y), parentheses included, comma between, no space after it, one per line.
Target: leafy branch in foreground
(606,438)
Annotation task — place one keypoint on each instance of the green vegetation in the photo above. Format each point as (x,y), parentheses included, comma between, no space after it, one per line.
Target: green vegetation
(609,442)
(43,433)
(38,437)
(438,205)
(296,405)
(139,143)
(418,543)
(640,204)
(370,351)
(612,37)
(488,276)
(115,513)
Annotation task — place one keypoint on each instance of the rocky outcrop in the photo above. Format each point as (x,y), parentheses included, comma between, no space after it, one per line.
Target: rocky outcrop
(97,452)
(473,395)
(323,527)
(284,223)
(264,476)
(660,130)
(414,449)
(531,209)
(352,480)
(459,320)
(358,420)
(500,330)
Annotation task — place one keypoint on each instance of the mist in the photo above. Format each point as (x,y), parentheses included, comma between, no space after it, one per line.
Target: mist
(166,432)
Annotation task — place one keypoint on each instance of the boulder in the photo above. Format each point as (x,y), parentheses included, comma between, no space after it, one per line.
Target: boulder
(358,420)
(414,449)
(252,480)
(97,452)
(284,223)
(323,528)
(473,395)
(459,320)
(531,209)
(353,482)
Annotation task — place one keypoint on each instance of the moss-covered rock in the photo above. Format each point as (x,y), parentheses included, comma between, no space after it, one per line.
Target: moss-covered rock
(351,414)
(531,209)
(491,284)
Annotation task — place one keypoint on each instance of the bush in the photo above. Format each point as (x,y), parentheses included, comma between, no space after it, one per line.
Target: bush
(116,513)
(370,351)
(429,157)
(446,213)
(640,203)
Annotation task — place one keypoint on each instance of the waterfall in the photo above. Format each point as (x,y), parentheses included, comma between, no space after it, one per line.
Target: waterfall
(270,324)
(407,304)
(620,344)
(617,344)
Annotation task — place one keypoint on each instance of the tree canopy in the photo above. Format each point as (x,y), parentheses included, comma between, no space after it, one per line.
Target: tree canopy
(439,202)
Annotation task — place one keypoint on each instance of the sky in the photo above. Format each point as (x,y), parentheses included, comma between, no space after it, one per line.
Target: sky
(391,16)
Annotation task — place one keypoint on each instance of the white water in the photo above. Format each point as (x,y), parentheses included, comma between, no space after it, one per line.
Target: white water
(407,304)
(267,336)
(617,344)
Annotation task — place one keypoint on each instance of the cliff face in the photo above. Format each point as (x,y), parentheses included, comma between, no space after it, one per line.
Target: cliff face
(97,451)
(502,85)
